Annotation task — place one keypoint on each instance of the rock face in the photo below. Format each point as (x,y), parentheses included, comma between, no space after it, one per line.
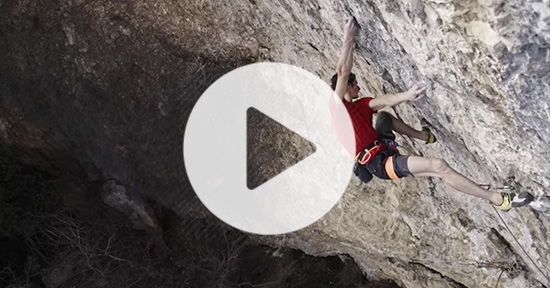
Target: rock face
(112,83)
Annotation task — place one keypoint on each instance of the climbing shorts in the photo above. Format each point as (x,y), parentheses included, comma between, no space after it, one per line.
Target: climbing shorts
(388,165)
(385,164)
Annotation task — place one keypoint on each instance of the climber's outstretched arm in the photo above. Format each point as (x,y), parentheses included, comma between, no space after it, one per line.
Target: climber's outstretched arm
(415,93)
(345,62)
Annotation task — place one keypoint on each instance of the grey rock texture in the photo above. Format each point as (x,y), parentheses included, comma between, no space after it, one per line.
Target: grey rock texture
(110,84)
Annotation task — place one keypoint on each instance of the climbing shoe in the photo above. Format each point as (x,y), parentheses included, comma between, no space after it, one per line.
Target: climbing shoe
(510,200)
(431,136)
(425,128)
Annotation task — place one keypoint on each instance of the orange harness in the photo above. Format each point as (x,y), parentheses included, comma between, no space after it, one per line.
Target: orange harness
(367,154)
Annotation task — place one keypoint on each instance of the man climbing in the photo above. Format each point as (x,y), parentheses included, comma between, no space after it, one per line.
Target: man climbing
(376,152)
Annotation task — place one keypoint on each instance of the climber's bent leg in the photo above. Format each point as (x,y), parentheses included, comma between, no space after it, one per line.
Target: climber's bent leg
(387,123)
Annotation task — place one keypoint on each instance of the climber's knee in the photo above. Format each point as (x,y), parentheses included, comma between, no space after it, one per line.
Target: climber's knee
(440,166)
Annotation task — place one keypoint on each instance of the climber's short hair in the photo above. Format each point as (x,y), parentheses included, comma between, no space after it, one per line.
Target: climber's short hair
(351,79)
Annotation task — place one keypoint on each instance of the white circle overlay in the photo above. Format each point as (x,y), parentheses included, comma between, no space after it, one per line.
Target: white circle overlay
(215,148)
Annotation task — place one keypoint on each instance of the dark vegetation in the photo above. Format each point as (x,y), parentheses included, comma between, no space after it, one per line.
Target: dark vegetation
(55,232)
(44,242)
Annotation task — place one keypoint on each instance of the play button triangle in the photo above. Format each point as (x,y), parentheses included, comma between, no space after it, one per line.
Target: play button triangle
(290,183)
(271,148)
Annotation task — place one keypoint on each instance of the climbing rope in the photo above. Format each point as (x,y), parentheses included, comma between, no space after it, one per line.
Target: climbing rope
(520,246)
(499,275)
(496,211)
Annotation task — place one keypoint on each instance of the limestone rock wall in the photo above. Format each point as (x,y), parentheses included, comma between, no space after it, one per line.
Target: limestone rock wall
(112,83)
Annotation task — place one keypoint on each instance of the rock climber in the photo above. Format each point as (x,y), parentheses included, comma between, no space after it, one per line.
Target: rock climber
(376,152)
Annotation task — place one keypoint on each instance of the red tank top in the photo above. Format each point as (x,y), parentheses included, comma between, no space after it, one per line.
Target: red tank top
(361,118)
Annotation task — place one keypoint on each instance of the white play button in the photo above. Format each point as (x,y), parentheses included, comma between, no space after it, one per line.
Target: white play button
(271,148)
(215,149)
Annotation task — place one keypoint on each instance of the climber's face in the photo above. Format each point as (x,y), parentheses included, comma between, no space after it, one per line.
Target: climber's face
(353,90)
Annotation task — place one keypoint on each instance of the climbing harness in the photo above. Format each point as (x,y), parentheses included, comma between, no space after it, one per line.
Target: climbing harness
(369,152)
(383,146)
(390,144)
